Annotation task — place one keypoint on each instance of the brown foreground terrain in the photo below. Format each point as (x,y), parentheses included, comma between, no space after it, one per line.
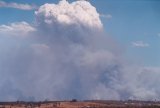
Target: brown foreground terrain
(81,104)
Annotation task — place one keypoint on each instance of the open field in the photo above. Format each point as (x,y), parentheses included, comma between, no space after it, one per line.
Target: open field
(81,104)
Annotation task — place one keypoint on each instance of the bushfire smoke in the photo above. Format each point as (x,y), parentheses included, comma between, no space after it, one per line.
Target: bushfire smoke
(66,55)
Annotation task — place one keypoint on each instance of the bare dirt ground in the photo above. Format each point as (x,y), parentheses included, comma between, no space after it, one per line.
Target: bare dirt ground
(81,104)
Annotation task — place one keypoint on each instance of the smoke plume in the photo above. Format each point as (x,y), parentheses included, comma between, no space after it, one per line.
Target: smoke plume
(66,55)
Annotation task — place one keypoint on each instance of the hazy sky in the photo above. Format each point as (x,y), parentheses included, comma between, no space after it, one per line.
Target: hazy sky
(59,50)
(135,24)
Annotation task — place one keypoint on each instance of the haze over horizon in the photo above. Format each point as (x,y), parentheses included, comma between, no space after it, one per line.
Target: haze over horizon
(93,49)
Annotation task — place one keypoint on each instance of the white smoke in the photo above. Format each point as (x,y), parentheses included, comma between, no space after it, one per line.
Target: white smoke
(79,13)
(68,56)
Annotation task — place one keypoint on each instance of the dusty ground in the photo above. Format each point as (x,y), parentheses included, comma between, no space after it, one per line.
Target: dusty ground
(81,104)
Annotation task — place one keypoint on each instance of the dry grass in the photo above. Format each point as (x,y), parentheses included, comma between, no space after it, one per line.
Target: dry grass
(86,104)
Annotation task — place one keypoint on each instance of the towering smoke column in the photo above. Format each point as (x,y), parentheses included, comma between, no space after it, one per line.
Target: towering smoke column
(76,61)
(66,55)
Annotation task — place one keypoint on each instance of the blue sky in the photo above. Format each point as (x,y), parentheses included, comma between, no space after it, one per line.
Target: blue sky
(135,25)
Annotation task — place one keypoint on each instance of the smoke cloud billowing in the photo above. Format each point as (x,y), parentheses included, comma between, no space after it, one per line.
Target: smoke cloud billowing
(66,55)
